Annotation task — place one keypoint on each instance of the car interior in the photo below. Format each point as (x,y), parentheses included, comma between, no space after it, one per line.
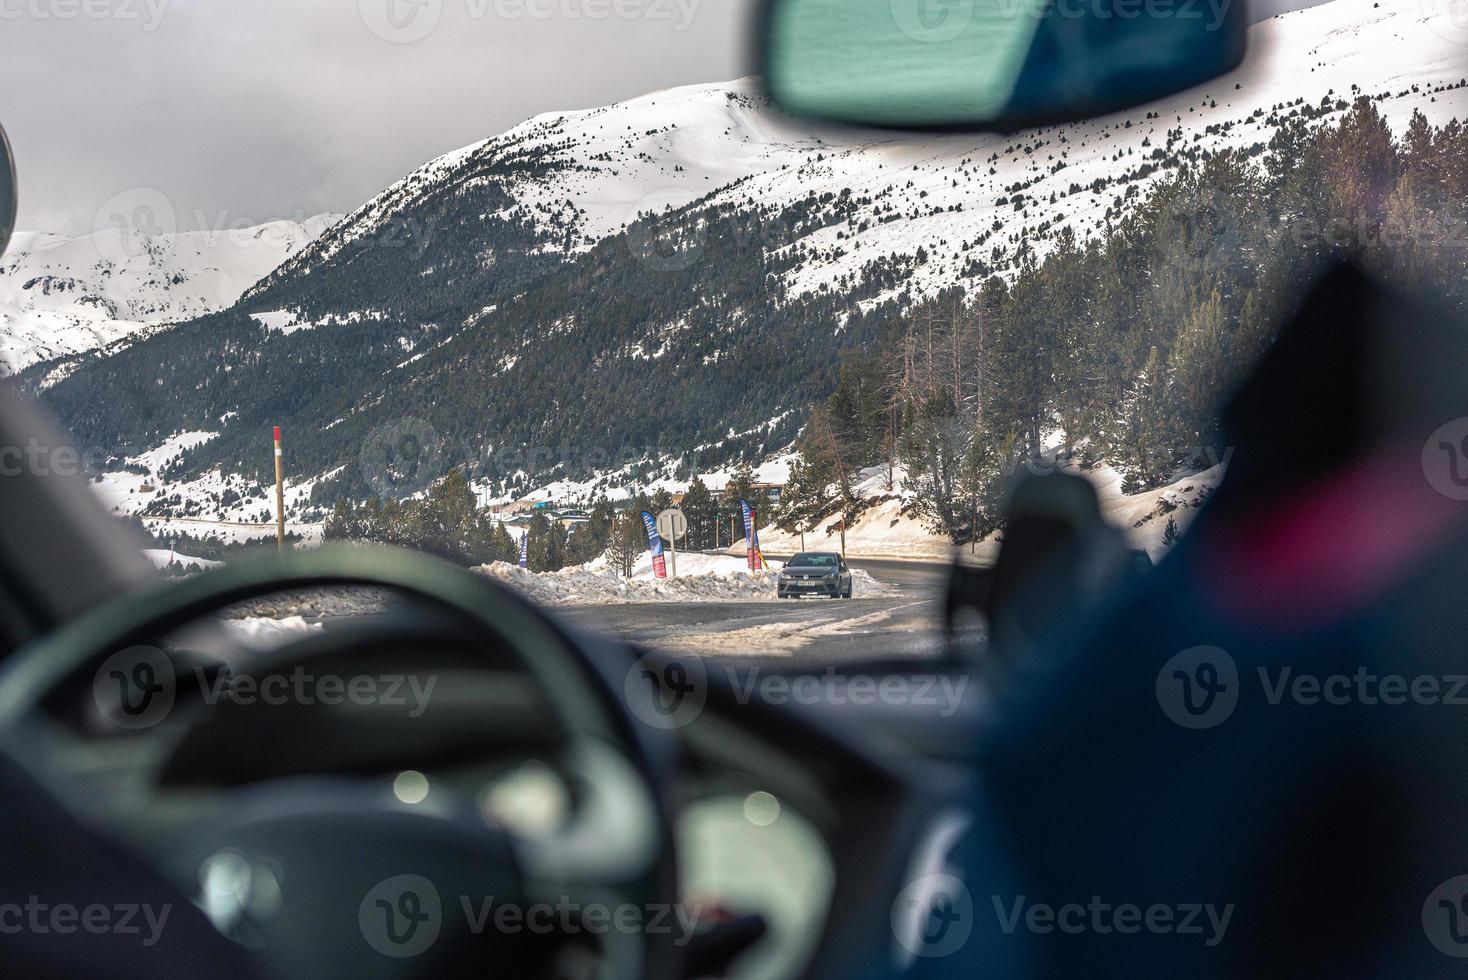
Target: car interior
(151,757)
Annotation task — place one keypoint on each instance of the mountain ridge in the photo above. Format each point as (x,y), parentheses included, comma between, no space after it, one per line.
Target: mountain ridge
(67,295)
(583,284)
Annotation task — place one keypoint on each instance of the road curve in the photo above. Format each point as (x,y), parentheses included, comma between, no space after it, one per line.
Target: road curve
(904,619)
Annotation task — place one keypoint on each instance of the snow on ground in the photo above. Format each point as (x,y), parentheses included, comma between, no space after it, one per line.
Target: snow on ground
(618,484)
(1144,516)
(689,564)
(701,578)
(289,321)
(251,517)
(262,634)
(63,295)
(881,530)
(162,558)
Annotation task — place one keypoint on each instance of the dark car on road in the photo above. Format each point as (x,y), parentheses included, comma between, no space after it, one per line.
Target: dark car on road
(815,573)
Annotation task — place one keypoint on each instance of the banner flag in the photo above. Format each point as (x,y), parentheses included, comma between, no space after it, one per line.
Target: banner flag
(655,545)
(751,536)
(525,549)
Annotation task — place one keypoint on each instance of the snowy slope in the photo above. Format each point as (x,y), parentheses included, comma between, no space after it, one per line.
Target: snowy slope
(1397,51)
(720,144)
(886,530)
(597,169)
(61,295)
(231,508)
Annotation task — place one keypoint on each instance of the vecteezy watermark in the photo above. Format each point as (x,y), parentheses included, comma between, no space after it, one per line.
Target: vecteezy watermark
(1364,687)
(1445,459)
(127,223)
(403,917)
(147,14)
(136,688)
(933,916)
(1151,459)
(37,458)
(941,691)
(666,693)
(401,21)
(37,917)
(298,686)
(1445,916)
(402,458)
(1199,687)
(666,234)
(606,461)
(671,692)
(407,21)
(933,21)
(660,244)
(1205,920)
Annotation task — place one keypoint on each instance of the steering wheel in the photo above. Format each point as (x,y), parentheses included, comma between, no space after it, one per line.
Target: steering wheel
(366,886)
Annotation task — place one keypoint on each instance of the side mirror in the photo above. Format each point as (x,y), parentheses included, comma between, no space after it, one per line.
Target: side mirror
(989,65)
(7,191)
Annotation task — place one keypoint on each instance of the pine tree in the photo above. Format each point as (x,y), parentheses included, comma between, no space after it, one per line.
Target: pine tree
(700,509)
(627,543)
(1170,533)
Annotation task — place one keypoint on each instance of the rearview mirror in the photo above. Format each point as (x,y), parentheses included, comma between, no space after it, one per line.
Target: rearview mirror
(997,65)
(7,191)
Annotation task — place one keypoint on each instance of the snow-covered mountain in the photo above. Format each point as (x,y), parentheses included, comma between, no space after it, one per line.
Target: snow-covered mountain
(958,198)
(508,296)
(61,295)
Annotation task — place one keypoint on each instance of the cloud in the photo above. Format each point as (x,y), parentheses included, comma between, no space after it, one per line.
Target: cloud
(244,112)
(241,112)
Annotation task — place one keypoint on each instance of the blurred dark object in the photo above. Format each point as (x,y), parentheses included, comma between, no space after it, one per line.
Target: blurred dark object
(7,191)
(79,904)
(716,945)
(1224,737)
(1057,559)
(63,552)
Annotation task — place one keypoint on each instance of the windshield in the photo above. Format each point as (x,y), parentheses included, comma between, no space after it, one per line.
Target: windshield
(639,341)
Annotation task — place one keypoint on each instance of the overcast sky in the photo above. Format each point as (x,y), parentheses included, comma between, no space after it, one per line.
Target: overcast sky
(271,107)
(241,111)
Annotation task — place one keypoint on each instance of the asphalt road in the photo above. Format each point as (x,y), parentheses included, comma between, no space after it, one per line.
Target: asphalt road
(904,619)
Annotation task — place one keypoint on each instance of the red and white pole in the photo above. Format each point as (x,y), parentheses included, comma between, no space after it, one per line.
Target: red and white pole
(279,495)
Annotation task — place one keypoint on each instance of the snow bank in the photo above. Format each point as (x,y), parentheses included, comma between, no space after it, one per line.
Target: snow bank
(261,634)
(160,558)
(719,578)
(1143,516)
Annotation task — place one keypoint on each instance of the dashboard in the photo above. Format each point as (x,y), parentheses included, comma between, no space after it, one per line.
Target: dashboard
(761,800)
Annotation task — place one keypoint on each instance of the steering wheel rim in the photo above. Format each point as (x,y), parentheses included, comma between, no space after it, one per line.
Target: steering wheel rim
(593,715)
